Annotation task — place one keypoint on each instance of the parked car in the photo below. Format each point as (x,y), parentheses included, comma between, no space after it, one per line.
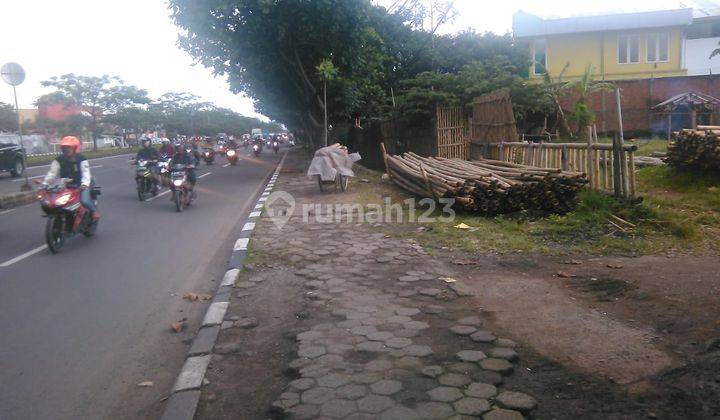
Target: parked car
(12,159)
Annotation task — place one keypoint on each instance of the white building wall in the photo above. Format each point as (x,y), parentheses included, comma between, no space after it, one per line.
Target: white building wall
(697,56)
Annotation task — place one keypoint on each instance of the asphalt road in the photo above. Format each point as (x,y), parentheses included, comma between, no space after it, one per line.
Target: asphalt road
(79,330)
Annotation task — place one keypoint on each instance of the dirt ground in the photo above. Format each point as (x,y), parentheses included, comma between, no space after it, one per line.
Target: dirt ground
(607,337)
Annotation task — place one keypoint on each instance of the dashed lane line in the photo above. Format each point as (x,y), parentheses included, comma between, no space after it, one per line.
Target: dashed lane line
(21,257)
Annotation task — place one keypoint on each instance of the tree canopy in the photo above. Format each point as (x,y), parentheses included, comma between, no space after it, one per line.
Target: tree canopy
(107,100)
(97,96)
(271,50)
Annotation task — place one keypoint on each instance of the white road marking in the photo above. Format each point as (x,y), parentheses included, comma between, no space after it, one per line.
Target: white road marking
(6,211)
(230,277)
(241,244)
(226,165)
(91,160)
(258,206)
(203,175)
(215,313)
(262,199)
(8,263)
(255,214)
(193,371)
(248,226)
(159,195)
(265,194)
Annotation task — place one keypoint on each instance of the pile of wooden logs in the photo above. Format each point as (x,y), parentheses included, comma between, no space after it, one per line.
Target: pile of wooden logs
(696,149)
(486,187)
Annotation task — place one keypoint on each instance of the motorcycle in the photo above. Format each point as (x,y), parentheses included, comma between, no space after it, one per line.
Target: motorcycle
(246,143)
(182,194)
(209,156)
(232,156)
(276,146)
(291,142)
(257,149)
(66,216)
(164,170)
(145,179)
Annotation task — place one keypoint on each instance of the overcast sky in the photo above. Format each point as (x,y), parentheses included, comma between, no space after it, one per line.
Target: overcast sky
(136,40)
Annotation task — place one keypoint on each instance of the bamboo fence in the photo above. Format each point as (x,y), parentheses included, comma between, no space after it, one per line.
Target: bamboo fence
(597,160)
(452,132)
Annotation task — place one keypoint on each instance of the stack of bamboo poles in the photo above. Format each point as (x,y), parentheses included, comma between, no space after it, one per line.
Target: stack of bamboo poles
(696,149)
(486,187)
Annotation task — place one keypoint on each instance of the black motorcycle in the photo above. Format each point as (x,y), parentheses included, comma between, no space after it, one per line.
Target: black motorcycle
(257,148)
(208,155)
(275,146)
(145,179)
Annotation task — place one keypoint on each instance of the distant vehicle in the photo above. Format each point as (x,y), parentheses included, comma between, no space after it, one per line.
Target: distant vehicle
(256,132)
(12,159)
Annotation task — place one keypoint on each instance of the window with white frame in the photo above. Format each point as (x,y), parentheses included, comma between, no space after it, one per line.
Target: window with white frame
(658,46)
(539,56)
(628,49)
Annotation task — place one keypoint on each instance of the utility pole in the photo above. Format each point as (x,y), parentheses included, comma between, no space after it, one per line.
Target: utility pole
(13,74)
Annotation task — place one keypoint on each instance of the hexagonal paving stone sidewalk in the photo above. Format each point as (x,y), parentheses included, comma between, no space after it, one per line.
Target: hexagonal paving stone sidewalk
(392,341)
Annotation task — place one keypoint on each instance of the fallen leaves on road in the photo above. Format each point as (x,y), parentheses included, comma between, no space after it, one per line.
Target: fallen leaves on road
(565,275)
(615,265)
(572,262)
(448,279)
(195,297)
(179,325)
(145,384)
(461,226)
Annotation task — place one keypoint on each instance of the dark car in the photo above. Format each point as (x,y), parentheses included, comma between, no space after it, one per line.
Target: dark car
(12,158)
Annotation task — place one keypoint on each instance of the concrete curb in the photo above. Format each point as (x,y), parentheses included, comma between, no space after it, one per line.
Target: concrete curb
(183,401)
(11,200)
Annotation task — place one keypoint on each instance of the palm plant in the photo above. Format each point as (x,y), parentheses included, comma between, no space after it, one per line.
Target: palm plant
(554,89)
(583,87)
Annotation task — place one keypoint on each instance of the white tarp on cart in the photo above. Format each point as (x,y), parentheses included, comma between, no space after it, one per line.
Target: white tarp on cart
(330,160)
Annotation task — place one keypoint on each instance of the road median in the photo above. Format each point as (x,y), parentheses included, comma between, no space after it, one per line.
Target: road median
(8,201)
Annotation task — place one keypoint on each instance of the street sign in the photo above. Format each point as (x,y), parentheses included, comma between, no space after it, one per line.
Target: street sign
(12,73)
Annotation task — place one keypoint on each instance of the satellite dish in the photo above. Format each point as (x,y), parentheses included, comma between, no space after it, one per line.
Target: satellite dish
(12,73)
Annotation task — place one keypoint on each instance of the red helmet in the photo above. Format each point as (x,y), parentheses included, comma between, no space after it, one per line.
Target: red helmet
(71,141)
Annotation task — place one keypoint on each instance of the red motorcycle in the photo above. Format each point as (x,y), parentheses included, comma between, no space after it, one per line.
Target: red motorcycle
(66,216)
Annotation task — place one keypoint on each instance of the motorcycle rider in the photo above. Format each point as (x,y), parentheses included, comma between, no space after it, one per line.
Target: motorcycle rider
(182,157)
(151,155)
(167,148)
(71,164)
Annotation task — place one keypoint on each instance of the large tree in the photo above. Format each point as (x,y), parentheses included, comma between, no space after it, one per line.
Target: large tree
(98,96)
(270,50)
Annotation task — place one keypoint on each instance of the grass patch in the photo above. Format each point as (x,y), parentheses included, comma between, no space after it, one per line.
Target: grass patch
(686,217)
(255,257)
(585,230)
(646,147)
(42,160)
(678,211)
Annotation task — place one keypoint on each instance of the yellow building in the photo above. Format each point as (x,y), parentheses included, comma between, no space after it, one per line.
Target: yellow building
(619,47)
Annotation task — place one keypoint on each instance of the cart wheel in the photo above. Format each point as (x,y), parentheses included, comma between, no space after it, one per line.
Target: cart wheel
(320,183)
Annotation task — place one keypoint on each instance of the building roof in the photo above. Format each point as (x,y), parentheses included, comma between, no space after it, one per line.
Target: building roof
(527,25)
(691,99)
